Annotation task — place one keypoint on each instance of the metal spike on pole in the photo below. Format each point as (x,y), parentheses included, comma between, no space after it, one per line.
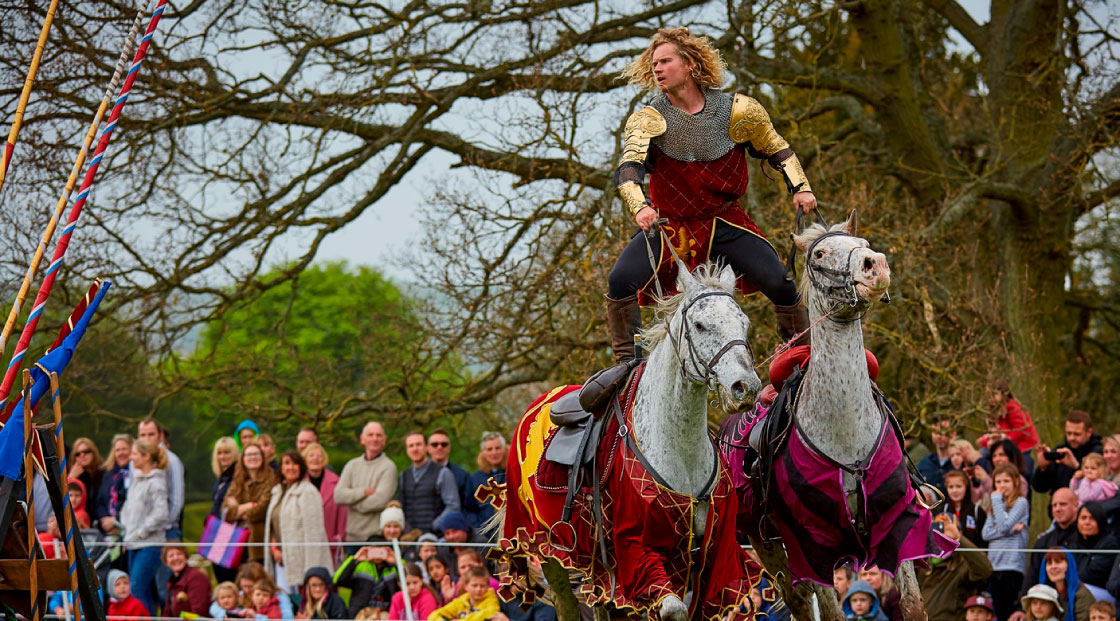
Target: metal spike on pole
(29,482)
(63,477)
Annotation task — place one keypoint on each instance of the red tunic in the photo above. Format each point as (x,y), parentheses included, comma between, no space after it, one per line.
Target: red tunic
(693,196)
(647,527)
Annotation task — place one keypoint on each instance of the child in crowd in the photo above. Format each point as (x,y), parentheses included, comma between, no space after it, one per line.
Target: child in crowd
(77,492)
(978,608)
(959,504)
(226,602)
(1091,482)
(421,596)
(1102,611)
(471,558)
(1041,603)
(1005,531)
(319,601)
(440,579)
(841,580)
(121,602)
(265,603)
(479,603)
(861,603)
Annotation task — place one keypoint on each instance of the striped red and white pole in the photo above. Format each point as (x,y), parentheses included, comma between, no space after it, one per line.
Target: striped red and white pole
(48,232)
(76,210)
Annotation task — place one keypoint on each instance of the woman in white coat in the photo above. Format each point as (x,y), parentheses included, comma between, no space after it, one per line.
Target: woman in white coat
(295,519)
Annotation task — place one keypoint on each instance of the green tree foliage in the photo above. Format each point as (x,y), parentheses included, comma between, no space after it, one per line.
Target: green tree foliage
(311,351)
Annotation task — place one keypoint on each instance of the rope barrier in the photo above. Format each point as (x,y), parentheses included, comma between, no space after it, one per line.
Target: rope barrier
(76,210)
(21,107)
(33,268)
(446,544)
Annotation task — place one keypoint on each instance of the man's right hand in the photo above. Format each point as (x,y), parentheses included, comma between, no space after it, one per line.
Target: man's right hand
(1040,460)
(646,217)
(107,524)
(370,491)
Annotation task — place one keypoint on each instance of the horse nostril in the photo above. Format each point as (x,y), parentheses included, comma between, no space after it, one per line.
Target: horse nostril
(868,264)
(739,389)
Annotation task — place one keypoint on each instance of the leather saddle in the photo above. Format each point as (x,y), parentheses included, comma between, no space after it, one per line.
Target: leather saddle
(572,443)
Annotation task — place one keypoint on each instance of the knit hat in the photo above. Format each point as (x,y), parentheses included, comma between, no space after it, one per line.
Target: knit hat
(392,514)
(1044,592)
(979,601)
(428,538)
(454,521)
(114,575)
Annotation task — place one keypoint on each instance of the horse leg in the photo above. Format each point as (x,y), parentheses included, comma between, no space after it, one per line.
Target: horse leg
(798,600)
(827,603)
(563,600)
(912,607)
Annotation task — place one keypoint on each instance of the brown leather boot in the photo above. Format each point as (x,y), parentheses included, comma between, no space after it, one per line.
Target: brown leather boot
(791,320)
(624,319)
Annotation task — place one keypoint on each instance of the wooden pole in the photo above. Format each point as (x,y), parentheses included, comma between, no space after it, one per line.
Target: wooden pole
(63,478)
(48,232)
(21,107)
(29,480)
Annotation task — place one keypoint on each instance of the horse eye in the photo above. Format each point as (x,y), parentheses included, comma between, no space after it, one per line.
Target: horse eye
(820,254)
(701,327)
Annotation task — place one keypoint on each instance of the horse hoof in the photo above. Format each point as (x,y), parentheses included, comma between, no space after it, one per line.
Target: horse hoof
(673,609)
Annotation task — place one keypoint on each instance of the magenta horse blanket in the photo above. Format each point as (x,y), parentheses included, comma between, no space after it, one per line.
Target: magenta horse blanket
(811,515)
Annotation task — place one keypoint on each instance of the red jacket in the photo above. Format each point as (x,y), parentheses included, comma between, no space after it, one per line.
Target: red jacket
(334,515)
(1017,418)
(188,592)
(127,607)
(271,609)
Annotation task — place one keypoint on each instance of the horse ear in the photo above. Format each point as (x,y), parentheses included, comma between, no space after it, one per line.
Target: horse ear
(685,279)
(727,278)
(803,240)
(849,226)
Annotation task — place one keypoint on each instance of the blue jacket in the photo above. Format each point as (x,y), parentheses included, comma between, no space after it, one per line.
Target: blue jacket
(875,614)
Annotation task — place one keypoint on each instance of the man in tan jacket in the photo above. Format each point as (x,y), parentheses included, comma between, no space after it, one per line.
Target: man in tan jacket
(367,483)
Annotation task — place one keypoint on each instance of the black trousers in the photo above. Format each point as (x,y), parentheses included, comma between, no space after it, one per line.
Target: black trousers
(1005,587)
(752,258)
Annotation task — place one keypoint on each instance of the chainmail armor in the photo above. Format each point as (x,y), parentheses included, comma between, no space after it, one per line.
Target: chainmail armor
(700,137)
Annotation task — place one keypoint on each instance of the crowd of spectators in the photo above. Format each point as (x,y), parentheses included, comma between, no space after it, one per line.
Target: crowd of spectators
(987,489)
(317,537)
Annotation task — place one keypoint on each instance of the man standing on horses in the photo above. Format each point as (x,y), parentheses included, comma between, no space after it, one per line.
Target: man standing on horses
(692,140)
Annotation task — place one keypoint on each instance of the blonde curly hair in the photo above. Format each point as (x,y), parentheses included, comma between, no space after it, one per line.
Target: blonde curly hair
(706,63)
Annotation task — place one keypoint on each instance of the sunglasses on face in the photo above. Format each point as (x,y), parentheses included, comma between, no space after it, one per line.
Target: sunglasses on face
(81,452)
(439,444)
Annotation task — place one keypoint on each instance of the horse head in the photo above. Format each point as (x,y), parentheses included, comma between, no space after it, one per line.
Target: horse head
(708,334)
(844,275)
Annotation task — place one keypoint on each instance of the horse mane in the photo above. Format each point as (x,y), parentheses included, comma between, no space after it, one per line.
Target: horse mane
(706,275)
(812,233)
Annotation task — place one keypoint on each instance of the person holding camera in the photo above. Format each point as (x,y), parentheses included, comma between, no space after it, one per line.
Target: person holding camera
(1055,467)
(371,575)
(947,585)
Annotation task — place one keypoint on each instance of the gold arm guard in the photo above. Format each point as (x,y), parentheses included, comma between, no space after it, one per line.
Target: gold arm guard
(750,123)
(632,197)
(641,127)
(791,169)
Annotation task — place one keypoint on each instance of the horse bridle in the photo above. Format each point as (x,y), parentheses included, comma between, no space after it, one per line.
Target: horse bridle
(838,285)
(694,357)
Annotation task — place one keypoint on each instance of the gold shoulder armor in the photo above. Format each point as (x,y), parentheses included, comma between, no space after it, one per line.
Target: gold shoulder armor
(750,123)
(641,127)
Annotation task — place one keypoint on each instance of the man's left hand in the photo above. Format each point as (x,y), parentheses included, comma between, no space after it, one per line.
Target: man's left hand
(805,200)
